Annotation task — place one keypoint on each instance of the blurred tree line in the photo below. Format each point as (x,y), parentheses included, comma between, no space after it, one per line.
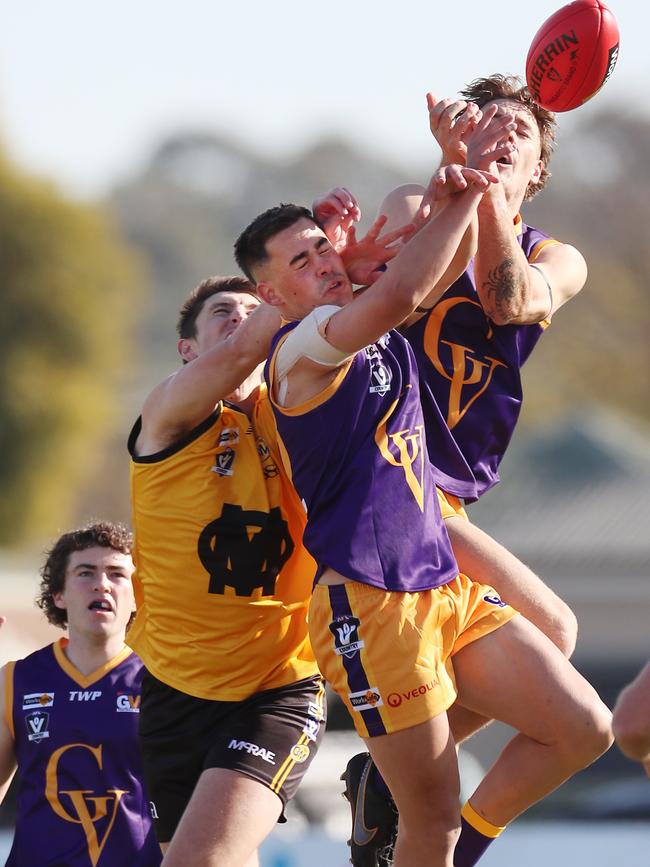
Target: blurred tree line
(70,289)
(74,284)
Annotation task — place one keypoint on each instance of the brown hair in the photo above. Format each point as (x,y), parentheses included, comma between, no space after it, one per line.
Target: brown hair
(186,325)
(484,90)
(102,534)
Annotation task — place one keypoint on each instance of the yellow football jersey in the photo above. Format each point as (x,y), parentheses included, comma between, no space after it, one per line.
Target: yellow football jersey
(222,581)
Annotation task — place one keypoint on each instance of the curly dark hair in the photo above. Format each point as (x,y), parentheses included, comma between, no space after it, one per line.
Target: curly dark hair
(511,87)
(102,534)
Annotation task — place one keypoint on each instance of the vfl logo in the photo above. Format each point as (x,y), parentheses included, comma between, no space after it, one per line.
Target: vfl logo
(37,723)
(128,703)
(410,455)
(495,600)
(223,462)
(245,550)
(84,807)
(469,376)
(367,699)
(38,699)
(346,638)
(380,375)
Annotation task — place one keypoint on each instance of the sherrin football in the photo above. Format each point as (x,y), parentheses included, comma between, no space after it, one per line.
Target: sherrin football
(572,55)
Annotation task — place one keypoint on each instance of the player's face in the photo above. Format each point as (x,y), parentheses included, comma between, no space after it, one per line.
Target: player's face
(523,165)
(303,271)
(220,315)
(98,593)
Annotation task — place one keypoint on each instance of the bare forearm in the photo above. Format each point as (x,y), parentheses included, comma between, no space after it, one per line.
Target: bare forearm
(421,265)
(501,271)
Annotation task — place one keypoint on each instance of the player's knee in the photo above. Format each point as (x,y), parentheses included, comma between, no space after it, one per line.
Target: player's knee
(632,736)
(591,737)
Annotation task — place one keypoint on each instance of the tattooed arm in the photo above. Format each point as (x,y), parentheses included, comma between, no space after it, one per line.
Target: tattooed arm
(511,290)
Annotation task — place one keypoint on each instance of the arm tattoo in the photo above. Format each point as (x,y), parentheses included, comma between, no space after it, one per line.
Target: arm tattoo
(501,288)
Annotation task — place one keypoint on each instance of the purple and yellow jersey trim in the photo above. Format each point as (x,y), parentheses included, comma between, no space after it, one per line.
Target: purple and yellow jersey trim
(470,371)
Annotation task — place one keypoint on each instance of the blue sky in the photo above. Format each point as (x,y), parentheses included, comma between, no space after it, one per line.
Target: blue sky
(87,89)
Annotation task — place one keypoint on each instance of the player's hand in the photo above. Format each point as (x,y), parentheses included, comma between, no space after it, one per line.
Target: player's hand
(365,259)
(450,121)
(491,139)
(336,212)
(455,178)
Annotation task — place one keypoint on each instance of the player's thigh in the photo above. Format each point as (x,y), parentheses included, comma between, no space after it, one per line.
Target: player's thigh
(227,818)
(517,675)
(486,560)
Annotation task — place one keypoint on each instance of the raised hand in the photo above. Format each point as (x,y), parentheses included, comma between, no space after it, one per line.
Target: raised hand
(450,121)
(491,139)
(336,212)
(364,259)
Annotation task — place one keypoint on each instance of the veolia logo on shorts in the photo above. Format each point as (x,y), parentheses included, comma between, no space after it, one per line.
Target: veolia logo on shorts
(395,699)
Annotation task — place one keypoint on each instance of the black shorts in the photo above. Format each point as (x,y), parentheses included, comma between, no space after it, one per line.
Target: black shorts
(271,736)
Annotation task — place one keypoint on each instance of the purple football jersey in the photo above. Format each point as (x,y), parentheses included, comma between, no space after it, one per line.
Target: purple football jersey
(470,370)
(358,459)
(81,801)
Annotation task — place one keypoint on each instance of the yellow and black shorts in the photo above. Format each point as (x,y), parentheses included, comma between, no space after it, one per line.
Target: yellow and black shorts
(272,737)
(389,655)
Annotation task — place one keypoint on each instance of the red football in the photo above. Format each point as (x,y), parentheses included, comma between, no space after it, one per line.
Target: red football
(572,55)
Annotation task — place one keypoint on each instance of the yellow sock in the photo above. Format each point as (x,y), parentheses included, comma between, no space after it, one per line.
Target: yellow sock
(487,829)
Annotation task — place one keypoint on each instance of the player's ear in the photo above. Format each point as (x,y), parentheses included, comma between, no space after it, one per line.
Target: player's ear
(186,350)
(268,293)
(57,598)
(539,168)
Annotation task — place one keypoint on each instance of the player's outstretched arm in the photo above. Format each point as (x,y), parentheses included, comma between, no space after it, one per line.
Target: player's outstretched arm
(512,290)
(631,721)
(7,749)
(418,266)
(187,397)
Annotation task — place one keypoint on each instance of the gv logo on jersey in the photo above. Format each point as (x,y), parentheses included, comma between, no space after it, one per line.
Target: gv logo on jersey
(469,376)
(95,812)
(405,449)
(128,703)
(346,638)
(37,723)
